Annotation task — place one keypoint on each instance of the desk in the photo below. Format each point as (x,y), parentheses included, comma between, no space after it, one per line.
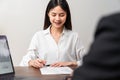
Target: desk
(32,72)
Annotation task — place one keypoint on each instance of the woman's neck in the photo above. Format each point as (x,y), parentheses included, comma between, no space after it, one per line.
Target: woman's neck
(56,33)
(56,30)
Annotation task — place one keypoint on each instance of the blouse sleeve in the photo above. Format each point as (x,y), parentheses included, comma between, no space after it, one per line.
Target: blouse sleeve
(32,52)
(80,51)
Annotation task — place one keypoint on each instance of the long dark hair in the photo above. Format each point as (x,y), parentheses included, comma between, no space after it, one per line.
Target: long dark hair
(64,5)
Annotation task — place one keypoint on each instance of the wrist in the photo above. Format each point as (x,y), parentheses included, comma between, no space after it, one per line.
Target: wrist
(73,64)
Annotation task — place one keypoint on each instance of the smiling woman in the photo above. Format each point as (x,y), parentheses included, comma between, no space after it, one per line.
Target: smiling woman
(20,19)
(57,44)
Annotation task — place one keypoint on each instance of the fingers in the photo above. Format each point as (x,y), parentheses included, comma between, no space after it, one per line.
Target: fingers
(38,63)
(60,64)
(56,65)
(41,61)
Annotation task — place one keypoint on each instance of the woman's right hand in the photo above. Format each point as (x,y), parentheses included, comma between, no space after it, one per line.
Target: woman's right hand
(37,63)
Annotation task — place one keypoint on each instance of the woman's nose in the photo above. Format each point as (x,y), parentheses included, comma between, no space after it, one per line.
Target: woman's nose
(57,17)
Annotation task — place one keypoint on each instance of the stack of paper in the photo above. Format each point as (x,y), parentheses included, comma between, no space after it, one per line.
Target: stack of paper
(56,70)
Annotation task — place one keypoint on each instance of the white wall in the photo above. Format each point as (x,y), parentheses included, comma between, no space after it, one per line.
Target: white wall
(20,19)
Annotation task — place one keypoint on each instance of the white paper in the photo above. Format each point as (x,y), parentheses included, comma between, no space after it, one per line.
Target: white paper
(56,70)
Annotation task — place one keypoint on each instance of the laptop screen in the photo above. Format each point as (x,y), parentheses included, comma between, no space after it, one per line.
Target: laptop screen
(6,65)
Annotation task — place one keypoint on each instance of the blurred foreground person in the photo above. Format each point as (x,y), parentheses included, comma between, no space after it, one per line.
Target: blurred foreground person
(103,59)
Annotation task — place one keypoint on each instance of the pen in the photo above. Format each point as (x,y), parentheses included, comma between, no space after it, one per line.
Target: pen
(47,65)
(36,53)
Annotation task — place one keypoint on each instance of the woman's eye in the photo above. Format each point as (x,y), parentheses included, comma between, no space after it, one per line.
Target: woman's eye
(53,15)
(62,15)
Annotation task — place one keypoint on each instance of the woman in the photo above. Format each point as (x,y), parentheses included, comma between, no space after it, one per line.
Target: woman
(57,45)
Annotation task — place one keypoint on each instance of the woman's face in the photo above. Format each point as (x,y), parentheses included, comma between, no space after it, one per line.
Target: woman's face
(57,17)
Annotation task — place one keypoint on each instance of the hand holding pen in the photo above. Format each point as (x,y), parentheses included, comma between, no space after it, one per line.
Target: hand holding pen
(37,63)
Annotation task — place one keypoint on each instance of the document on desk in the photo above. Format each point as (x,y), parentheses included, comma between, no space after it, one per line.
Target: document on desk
(56,70)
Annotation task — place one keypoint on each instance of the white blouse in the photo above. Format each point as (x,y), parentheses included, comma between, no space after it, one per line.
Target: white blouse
(43,46)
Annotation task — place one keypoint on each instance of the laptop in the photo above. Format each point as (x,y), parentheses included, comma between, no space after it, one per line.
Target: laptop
(7,71)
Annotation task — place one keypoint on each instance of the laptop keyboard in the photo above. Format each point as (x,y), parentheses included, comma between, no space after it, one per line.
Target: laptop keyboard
(7,78)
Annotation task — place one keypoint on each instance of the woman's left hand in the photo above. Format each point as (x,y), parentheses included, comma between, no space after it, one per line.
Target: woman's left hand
(61,64)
